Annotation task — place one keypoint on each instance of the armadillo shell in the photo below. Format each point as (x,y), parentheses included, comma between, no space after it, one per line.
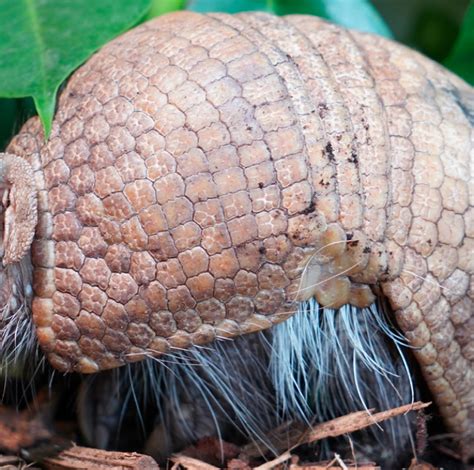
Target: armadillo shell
(206,172)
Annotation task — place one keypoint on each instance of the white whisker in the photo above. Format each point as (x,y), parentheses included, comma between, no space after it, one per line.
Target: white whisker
(434,283)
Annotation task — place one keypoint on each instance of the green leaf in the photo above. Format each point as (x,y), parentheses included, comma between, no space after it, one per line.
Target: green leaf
(434,32)
(231,6)
(43,41)
(356,14)
(160,7)
(8,116)
(462,55)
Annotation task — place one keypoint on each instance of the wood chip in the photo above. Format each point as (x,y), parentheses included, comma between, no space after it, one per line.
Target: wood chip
(9,460)
(419,465)
(190,463)
(355,422)
(329,466)
(85,458)
(335,464)
(291,435)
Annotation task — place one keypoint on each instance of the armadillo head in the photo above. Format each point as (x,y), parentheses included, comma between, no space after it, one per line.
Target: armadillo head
(18,209)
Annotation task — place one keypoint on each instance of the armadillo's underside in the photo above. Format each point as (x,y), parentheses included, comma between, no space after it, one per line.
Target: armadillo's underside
(204,173)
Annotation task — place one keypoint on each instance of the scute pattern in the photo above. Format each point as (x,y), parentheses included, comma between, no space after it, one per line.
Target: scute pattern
(206,171)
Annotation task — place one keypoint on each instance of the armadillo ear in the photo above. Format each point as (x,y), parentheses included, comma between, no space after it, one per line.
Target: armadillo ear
(19,201)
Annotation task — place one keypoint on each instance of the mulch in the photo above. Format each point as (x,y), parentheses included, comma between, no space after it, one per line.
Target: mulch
(31,436)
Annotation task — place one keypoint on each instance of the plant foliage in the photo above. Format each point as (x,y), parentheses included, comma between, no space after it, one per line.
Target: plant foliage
(43,41)
(461,58)
(356,14)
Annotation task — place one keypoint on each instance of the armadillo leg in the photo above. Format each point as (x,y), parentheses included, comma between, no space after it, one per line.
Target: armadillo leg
(430,221)
(431,314)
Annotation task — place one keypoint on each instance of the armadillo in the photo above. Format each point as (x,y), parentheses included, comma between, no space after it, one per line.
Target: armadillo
(205,173)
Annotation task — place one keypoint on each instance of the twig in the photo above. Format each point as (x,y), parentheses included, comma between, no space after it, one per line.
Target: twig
(285,438)
(338,459)
(273,463)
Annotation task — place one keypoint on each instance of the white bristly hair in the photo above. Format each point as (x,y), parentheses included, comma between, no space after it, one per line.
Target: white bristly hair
(19,351)
(317,365)
(327,363)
